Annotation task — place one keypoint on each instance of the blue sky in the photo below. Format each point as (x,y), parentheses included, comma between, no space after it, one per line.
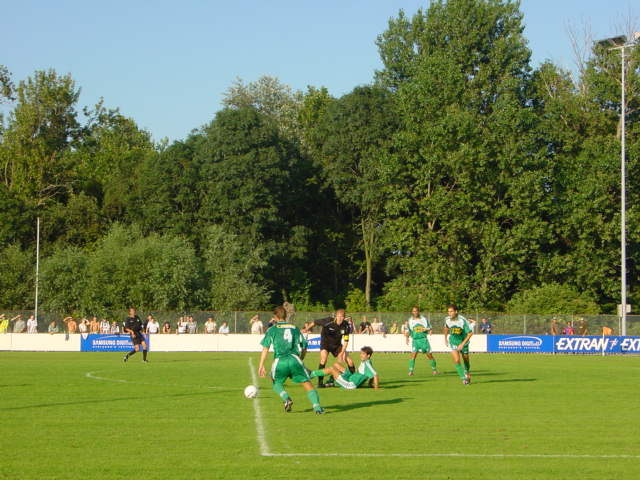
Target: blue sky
(167,64)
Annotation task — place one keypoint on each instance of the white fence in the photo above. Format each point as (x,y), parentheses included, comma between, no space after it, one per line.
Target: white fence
(217,343)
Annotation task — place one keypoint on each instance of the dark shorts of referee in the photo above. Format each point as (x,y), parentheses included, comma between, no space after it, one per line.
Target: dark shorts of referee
(332,349)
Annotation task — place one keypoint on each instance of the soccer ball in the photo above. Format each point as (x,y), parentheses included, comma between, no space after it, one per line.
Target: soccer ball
(251,391)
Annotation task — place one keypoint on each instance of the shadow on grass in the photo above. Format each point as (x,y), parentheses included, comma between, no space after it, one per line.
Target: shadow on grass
(354,406)
(506,380)
(109,400)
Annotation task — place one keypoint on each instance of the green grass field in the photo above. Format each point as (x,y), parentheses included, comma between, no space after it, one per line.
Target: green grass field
(89,416)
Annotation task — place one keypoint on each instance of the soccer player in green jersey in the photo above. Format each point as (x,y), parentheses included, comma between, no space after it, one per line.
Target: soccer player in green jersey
(419,329)
(457,334)
(289,348)
(351,381)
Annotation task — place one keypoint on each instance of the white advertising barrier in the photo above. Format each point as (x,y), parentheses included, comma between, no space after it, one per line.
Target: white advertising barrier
(242,342)
(40,342)
(398,343)
(220,343)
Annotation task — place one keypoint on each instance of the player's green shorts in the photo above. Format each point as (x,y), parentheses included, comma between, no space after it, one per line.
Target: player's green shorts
(420,345)
(289,367)
(351,381)
(464,350)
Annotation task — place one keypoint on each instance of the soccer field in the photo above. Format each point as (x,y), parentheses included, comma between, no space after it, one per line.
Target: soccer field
(90,416)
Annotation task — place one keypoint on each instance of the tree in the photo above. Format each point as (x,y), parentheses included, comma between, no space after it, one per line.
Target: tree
(18,277)
(468,178)
(168,190)
(551,299)
(41,128)
(355,138)
(232,264)
(271,98)
(109,160)
(254,185)
(125,268)
(7,87)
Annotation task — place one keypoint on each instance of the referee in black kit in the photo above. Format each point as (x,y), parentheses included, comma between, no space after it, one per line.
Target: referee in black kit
(334,339)
(134,327)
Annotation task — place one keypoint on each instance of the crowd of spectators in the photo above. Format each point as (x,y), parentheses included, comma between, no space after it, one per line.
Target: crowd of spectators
(186,324)
(83,325)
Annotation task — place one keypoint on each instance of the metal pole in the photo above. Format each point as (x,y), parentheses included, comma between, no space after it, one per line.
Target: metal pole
(37,265)
(623,206)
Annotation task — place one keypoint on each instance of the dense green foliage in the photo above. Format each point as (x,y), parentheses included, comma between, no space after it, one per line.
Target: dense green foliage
(460,174)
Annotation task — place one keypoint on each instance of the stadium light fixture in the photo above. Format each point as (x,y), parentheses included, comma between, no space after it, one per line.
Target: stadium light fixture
(620,43)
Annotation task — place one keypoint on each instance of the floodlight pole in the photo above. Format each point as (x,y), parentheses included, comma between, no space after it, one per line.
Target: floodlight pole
(623,199)
(37,265)
(620,43)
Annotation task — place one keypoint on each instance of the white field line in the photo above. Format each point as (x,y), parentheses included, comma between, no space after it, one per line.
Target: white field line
(459,455)
(264,447)
(93,376)
(260,432)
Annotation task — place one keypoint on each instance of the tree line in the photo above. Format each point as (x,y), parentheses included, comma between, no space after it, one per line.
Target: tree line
(459,174)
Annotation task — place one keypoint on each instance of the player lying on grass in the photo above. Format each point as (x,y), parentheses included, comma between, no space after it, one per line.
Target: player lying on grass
(351,381)
(289,348)
(334,339)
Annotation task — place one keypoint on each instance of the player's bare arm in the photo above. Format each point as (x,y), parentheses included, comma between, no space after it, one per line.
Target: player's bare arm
(263,356)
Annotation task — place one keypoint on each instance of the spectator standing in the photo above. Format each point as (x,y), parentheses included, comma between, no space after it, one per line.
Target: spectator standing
(582,327)
(53,327)
(607,331)
(291,311)
(192,325)
(485,326)
(83,326)
(210,326)
(404,328)
(568,329)
(555,328)
(20,326)
(72,325)
(182,326)
(376,325)
(32,325)
(94,325)
(152,325)
(383,329)
(224,328)
(166,328)
(4,323)
(257,328)
(105,326)
(394,328)
(365,326)
(115,327)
